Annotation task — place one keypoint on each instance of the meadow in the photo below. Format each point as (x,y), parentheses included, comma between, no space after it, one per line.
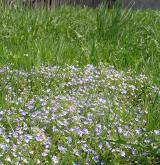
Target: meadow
(79,86)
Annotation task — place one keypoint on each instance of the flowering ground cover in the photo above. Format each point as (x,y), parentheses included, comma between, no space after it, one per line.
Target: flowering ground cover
(78,115)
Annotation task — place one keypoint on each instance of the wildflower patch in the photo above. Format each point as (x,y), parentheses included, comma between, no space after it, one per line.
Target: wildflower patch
(76,115)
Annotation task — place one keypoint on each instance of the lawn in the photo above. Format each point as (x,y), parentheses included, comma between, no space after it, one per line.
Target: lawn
(79,86)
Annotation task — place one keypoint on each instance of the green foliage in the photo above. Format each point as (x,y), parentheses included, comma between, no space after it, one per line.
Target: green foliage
(31,39)
(124,38)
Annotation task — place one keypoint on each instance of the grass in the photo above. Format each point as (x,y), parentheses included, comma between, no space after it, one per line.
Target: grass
(79,86)
(125,39)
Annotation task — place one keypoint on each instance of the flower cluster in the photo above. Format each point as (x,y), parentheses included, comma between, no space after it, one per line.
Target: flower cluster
(74,115)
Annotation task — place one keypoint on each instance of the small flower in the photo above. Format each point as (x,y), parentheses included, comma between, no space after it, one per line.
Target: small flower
(34,114)
(55,159)
(119,129)
(122,153)
(110,68)
(44,154)
(14,147)
(61,148)
(85,131)
(102,162)
(138,131)
(108,145)
(69,139)
(25,160)
(39,138)
(22,112)
(87,161)
(31,152)
(100,145)
(84,147)
(75,151)
(38,161)
(157,132)
(15,134)
(30,107)
(8,159)
(98,126)
(96,159)
(146,141)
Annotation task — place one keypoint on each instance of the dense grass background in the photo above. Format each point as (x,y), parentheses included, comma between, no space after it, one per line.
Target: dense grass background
(123,38)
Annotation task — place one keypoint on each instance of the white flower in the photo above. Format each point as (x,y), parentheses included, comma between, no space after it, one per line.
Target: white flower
(122,153)
(38,161)
(55,159)
(8,159)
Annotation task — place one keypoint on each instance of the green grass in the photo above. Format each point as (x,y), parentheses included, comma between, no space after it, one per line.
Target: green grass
(47,86)
(123,38)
